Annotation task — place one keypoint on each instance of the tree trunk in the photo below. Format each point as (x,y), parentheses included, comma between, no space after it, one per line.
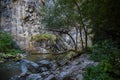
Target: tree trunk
(81,39)
(83,25)
(73,42)
(76,38)
(86,38)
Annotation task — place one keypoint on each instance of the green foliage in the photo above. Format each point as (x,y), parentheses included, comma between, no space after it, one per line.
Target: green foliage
(114,60)
(109,57)
(6,47)
(14,51)
(44,37)
(103,17)
(99,72)
(101,50)
(61,14)
(5,41)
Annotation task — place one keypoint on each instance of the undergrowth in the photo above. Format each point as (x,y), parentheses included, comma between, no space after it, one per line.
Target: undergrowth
(7,49)
(109,67)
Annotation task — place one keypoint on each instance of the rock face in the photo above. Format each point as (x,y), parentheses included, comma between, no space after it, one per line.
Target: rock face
(21,18)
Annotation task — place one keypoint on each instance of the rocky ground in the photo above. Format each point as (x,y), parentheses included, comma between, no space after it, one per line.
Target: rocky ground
(54,70)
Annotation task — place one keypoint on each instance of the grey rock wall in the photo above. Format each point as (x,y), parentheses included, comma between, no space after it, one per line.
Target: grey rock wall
(21,19)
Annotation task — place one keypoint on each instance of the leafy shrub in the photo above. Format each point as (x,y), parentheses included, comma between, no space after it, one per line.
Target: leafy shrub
(109,57)
(101,50)
(14,51)
(99,72)
(114,60)
(6,47)
(5,41)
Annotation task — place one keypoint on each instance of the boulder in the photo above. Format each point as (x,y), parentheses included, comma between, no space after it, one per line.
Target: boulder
(54,65)
(27,65)
(79,77)
(42,69)
(62,75)
(44,63)
(34,77)
(50,77)
(43,74)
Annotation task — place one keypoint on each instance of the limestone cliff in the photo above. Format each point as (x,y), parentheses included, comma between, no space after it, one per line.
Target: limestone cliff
(21,19)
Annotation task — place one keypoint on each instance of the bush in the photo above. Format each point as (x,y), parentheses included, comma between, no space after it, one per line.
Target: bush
(102,50)
(6,47)
(99,72)
(5,42)
(109,57)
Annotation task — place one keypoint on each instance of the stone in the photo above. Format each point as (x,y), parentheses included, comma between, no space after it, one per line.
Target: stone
(76,62)
(43,50)
(69,78)
(44,63)
(21,16)
(45,73)
(34,77)
(63,74)
(54,65)
(71,71)
(79,77)
(42,69)
(27,65)
(35,65)
(62,62)
(50,77)
(23,76)
(15,78)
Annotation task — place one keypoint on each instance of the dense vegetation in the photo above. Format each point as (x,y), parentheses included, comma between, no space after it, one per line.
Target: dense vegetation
(7,48)
(109,57)
(103,17)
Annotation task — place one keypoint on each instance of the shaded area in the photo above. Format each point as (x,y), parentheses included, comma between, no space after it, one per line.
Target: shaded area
(9,69)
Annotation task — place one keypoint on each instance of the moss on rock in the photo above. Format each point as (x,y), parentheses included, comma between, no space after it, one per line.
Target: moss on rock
(44,37)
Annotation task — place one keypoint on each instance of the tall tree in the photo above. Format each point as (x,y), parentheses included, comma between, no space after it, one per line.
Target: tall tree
(104,17)
(66,14)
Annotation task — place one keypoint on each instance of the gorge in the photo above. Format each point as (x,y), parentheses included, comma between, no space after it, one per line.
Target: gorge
(59,40)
